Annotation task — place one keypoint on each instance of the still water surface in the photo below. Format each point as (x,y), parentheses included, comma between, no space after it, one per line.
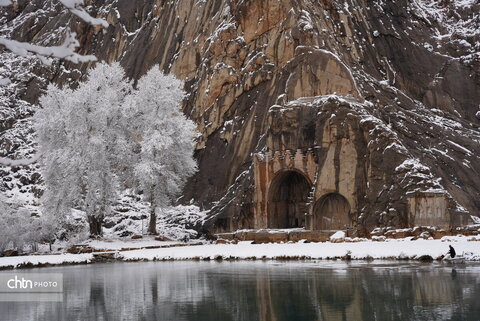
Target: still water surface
(249,291)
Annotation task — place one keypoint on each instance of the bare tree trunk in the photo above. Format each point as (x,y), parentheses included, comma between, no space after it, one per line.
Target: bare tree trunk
(95,223)
(152,226)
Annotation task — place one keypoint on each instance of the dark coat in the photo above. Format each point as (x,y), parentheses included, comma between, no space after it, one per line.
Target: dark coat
(452,252)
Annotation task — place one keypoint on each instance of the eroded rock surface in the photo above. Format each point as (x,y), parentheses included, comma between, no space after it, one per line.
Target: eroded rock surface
(379,97)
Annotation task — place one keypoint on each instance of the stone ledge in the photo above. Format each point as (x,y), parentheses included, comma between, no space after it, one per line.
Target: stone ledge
(276,236)
(424,232)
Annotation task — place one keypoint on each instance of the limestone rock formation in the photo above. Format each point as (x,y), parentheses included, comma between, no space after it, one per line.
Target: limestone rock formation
(324,114)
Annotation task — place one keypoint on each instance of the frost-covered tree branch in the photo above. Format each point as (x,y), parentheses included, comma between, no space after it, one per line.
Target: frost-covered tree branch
(65,51)
(19,162)
(75,7)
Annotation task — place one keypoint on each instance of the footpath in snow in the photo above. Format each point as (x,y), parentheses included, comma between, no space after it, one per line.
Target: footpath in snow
(390,249)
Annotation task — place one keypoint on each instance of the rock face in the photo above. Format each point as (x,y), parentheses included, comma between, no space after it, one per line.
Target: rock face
(317,114)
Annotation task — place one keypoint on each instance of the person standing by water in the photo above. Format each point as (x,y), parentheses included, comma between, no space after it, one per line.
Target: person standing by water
(452,252)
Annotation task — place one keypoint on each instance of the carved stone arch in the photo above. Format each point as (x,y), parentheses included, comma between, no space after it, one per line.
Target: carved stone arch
(287,199)
(332,212)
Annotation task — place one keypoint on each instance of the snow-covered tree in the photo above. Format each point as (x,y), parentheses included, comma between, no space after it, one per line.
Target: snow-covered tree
(163,138)
(104,130)
(80,138)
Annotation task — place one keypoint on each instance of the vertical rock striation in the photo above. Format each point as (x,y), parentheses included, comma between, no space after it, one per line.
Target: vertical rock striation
(378,99)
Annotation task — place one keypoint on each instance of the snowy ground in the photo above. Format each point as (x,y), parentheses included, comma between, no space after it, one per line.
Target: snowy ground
(40,260)
(390,249)
(119,244)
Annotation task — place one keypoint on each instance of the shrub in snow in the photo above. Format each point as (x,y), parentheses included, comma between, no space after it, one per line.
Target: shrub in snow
(425,258)
(177,222)
(80,136)
(73,230)
(163,137)
(348,255)
(19,228)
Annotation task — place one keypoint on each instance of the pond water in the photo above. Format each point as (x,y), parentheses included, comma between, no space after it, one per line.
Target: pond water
(254,290)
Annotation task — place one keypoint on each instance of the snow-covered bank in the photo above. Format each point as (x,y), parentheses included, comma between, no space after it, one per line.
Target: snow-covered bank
(391,249)
(44,260)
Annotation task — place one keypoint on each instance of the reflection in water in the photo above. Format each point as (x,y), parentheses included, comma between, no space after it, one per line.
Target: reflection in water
(454,274)
(267,291)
